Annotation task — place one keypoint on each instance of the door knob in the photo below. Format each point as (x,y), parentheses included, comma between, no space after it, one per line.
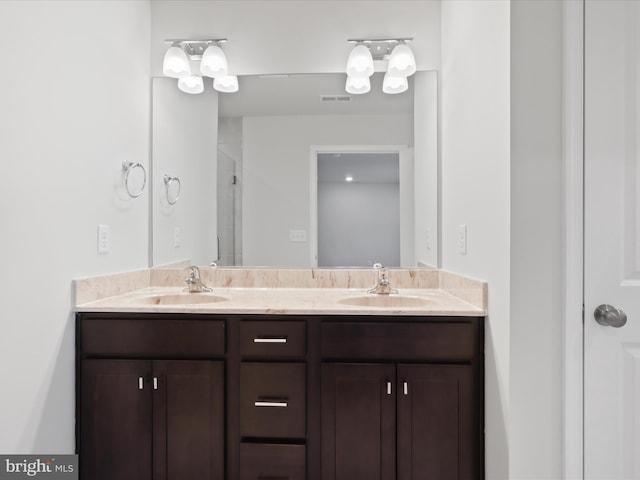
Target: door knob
(610,316)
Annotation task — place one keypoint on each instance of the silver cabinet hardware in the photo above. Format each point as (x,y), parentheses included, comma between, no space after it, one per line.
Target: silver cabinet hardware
(155,383)
(140,383)
(405,388)
(610,316)
(261,403)
(270,340)
(388,388)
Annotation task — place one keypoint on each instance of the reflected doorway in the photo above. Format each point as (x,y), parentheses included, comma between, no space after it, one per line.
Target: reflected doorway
(358,209)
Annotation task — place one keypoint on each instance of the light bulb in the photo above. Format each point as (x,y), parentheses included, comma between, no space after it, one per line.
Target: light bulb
(226,84)
(392,84)
(192,84)
(402,63)
(360,62)
(358,85)
(176,63)
(214,62)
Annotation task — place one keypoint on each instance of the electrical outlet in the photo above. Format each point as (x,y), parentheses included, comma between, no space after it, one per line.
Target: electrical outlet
(297,235)
(104,239)
(462,239)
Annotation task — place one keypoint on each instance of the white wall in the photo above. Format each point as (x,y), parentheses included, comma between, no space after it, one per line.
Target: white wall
(276,175)
(185,145)
(476,185)
(68,119)
(536,329)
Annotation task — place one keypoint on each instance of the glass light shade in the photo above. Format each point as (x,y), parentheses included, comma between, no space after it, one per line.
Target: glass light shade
(392,84)
(360,62)
(214,62)
(226,84)
(192,84)
(176,63)
(402,63)
(358,85)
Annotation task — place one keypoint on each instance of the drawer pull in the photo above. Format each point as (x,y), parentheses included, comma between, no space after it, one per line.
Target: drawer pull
(270,403)
(140,383)
(388,388)
(405,387)
(155,383)
(270,340)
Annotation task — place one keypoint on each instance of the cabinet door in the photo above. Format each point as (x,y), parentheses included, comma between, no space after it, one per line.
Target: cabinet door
(188,441)
(437,423)
(358,422)
(115,412)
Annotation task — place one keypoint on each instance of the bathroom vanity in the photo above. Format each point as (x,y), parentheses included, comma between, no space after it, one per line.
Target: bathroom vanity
(221,391)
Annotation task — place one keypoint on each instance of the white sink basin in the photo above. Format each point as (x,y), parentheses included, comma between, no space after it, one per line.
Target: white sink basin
(178,299)
(388,301)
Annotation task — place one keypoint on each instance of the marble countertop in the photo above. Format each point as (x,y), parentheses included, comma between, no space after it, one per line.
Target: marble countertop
(301,301)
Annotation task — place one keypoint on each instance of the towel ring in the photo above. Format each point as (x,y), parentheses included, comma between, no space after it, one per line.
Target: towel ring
(126,168)
(167,183)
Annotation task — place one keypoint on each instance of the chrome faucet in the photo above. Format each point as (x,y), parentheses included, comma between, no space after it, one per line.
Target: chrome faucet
(382,285)
(194,282)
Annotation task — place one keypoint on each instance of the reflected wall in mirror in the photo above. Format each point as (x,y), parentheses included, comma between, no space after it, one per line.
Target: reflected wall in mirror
(249,160)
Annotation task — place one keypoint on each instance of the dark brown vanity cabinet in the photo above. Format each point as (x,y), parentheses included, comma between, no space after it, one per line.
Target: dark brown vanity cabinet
(413,413)
(279,397)
(150,418)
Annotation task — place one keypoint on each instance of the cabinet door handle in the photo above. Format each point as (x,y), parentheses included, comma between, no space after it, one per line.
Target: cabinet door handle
(140,383)
(280,339)
(388,388)
(271,403)
(405,388)
(155,383)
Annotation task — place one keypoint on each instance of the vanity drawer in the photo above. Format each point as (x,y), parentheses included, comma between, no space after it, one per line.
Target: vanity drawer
(273,338)
(272,462)
(153,337)
(272,400)
(437,341)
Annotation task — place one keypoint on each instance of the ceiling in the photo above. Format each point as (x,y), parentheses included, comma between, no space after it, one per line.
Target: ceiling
(302,94)
(378,167)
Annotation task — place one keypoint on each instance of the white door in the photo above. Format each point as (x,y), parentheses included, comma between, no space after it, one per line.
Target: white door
(612,238)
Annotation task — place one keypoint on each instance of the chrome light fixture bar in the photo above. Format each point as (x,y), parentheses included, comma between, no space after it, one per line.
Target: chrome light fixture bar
(195,48)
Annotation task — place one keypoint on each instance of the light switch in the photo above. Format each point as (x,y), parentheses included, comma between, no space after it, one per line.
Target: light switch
(462,239)
(177,237)
(104,239)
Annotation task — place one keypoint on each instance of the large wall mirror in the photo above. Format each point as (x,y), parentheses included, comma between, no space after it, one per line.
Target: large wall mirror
(292,172)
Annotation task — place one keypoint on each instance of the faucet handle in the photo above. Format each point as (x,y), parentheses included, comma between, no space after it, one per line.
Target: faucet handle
(378,266)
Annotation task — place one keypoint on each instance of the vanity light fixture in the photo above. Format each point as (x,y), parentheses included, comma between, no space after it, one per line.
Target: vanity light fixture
(348,179)
(192,84)
(392,84)
(362,60)
(358,85)
(402,63)
(226,84)
(176,63)
(212,63)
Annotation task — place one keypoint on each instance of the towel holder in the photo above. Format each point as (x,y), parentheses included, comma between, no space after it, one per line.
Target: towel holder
(127,167)
(168,180)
